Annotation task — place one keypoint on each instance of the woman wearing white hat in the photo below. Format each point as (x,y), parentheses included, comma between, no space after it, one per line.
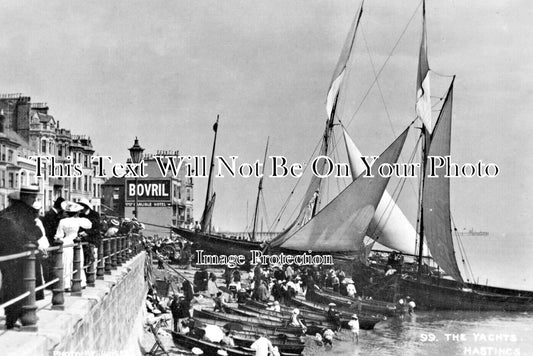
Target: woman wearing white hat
(67,231)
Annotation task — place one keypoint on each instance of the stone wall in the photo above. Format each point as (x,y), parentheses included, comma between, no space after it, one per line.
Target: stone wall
(107,326)
(106,320)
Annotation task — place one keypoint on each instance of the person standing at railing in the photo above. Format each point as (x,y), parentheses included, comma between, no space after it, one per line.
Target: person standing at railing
(68,231)
(50,222)
(92,234)
(17,228)
(41,258)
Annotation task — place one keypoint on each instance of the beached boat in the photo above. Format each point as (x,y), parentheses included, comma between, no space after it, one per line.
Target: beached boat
(211,348)
(283,343)
(366,321)
(369,306)
(253,328)
(203,237)
(274,326)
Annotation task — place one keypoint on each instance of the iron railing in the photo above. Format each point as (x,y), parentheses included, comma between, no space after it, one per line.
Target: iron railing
(112,253)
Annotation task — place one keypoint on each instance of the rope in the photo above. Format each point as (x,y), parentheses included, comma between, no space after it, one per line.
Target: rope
(385,63)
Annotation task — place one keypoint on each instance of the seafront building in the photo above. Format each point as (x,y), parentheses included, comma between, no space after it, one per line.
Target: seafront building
(27,129)
(162,200)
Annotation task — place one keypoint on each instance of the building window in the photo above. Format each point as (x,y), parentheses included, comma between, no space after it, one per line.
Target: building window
(9,156)
(60,150)
(43,146)
(188,194)
(2,179)
(11,182)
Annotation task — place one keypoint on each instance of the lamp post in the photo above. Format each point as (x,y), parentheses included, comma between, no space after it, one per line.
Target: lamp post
(136,154)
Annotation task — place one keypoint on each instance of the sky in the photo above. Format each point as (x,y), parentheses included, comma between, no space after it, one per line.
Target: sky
(163,71)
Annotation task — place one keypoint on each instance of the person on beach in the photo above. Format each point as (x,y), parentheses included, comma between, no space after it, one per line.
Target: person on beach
(212,288)
(327,338)
(296,320)
(334,315)
(262,346)
(274,307)
(411,305)
(220,303)
(350,290)
(227,339)
(354,327)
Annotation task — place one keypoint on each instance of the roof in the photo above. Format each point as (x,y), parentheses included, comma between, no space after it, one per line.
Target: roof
(114,181)
(14,137)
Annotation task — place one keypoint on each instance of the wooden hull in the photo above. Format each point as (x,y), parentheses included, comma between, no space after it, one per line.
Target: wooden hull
(369,306)
(255,329)
(319,317)
(209,348)
(218,245)
(446,297)
(366,322)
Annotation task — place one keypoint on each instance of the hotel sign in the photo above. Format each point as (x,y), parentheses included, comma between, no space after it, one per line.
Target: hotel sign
(149,192)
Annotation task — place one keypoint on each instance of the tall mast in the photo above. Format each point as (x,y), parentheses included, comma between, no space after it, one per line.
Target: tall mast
(423,111)
(210,182)
(425,142)
(259,189)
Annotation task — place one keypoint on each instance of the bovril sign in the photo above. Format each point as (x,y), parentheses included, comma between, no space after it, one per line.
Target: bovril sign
(149,190)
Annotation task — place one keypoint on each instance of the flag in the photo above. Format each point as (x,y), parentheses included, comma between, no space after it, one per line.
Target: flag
(423,95)
(340,69)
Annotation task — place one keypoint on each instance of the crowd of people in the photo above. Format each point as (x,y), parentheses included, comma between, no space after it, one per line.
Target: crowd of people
(21,224)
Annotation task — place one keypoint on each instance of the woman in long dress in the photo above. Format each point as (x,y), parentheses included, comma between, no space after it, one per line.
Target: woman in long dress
(67,231)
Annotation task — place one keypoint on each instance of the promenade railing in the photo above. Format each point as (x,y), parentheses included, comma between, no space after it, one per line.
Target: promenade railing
(111,252)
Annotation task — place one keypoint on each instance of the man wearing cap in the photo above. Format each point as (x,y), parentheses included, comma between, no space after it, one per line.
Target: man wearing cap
(17,228)
(334,315)
(92,235)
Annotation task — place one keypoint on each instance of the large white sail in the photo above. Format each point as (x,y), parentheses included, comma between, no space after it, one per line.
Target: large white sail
(389,226)
(342,224)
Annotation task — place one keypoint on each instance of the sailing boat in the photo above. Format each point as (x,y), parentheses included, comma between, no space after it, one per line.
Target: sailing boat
(434,292)
(202,236)
(342,224)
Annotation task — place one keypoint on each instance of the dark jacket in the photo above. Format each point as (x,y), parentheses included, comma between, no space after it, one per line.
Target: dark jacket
(17,228)
(50,222)
(93,234)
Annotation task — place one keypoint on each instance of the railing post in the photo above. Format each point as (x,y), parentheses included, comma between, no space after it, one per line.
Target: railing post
(119,250)
(29,310)
(107,254)
(91,272)
(124,249)
(100,267)
(127,247)
(75,289)
(58,297)
(113,253)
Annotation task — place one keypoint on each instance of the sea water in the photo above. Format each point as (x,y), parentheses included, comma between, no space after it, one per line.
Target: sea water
(502,260)
(442,333)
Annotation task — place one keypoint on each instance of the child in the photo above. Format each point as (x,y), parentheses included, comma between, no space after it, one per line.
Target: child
(354,326)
